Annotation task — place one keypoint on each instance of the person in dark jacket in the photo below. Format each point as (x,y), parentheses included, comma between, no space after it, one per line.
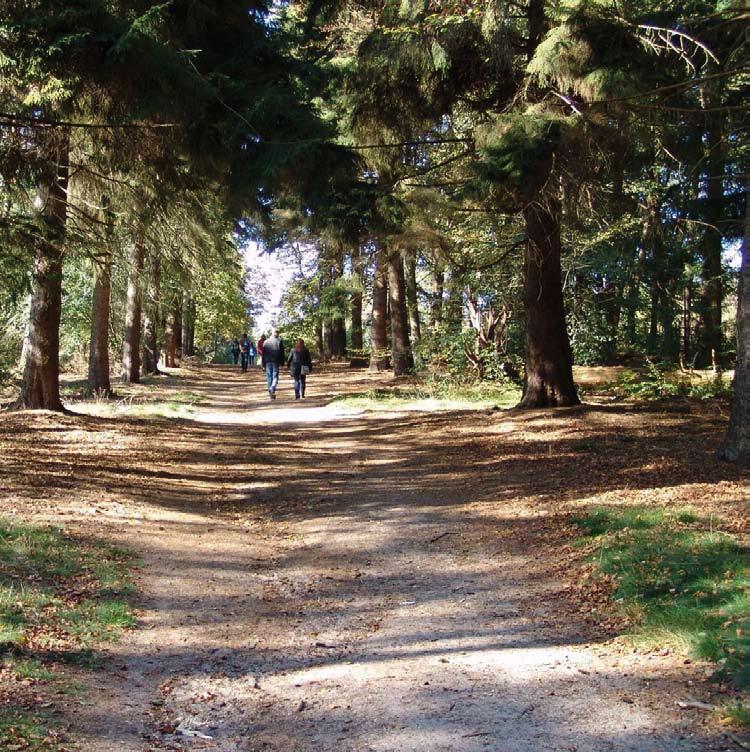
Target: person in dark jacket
(300,364)
(260,348)
(244,345)
(235,350)
(272,358)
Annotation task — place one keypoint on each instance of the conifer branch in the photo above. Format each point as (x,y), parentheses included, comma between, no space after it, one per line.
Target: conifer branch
(13,119)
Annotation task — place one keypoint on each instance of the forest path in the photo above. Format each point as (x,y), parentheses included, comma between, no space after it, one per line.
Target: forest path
(315,579)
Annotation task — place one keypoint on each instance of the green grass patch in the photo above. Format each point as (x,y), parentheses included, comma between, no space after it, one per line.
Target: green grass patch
(655,382)
(29,731)
(435,394)
(684,584)
(60,597)
(739,713)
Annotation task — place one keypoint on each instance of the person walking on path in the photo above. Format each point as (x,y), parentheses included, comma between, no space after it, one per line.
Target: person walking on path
(235,350)
(300,364)
(245,345)
(252,352)
(260,348)
(272,358)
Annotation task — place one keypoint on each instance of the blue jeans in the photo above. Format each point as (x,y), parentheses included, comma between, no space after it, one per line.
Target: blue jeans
(272,376)
(299,385)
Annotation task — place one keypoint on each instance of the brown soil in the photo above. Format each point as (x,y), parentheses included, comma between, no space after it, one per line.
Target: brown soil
(314,579)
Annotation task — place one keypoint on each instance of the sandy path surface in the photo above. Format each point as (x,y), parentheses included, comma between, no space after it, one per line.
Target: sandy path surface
(316,579)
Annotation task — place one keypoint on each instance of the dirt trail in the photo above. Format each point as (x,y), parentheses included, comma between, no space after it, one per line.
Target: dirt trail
(319,580)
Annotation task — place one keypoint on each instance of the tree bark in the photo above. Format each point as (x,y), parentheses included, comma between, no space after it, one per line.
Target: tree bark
(736,446)
(151,320)
(453,306)
(685,328)
(338,323)
(188,324)
(412,301)
(178,324)
(356,300)
(41,378)
(436,305)
(712,293)
(170,334)
(403,360)
(98,373)
(131,352)
(319,343)
(537,25)
(549,363)
(379,360)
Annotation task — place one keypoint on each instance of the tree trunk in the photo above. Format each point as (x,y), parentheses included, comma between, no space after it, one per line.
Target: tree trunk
(403,360)
(131,352)
(537,25)
(356,301)
(712,293)
(453,306)
(736,447)
(188,324)
(319,342)
(178,324)
(170,334)
(685,329)
(436,305)
(412,301)
(549,363)
(327,326)
(41,378)
(98,375)
(379,360)
(150,322)
(338,323)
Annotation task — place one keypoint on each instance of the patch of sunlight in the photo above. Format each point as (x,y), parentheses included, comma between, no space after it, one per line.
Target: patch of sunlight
(335,672)
(274,415)
(126,408)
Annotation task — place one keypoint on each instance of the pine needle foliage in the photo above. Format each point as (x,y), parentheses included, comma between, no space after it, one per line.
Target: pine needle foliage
(593,57)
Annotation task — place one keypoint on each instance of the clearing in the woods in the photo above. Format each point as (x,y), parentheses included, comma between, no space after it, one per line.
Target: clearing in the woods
(313,577)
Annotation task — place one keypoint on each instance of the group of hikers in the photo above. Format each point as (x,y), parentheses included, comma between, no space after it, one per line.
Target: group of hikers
(271,351)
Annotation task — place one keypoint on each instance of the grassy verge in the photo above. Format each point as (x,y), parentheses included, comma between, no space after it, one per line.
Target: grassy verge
(59,599)
(682,584)
(434,394)
(179,404)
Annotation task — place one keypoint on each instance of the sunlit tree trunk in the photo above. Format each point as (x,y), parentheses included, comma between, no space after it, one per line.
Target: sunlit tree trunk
(151,319)
(412,301)
(98,373)
(131,345)
(453,305)
(736,447)
(41,378)
(436,305)
(338,323)
(379,360)
(549,363)
(356,300)
(403,360)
